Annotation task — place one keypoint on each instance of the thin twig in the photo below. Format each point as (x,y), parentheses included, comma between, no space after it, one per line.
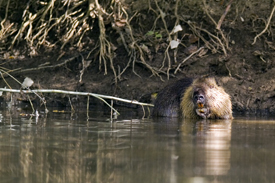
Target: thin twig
(72,107)
(88,105)
(46,67)
(220,31)
(5,80)
(143,112)
(223,15)
(31,104)
(187,59)
(166,54)
(4,20)
(266,27)
(10,76)
(207,13)
(111,115)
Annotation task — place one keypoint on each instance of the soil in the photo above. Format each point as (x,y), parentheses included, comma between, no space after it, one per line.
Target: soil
(248,79)
(246,72)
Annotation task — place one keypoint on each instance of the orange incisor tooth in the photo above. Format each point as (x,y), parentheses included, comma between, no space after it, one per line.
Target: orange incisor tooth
(200,105)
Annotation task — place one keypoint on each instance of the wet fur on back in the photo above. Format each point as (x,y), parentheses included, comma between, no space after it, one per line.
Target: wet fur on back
(168,99)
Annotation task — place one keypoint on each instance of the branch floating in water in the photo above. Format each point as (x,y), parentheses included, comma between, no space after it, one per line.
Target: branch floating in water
(99,96)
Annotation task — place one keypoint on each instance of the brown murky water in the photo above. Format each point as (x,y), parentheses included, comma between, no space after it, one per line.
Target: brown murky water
(61,149)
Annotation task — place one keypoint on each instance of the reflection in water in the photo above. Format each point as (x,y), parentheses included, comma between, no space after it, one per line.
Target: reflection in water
(213,138)
(161,151)
(124,151)
(218,148)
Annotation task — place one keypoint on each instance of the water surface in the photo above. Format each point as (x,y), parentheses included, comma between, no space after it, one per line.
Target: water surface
(61,147)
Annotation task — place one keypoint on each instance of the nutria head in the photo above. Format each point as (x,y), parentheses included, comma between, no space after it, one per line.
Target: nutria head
(205,99)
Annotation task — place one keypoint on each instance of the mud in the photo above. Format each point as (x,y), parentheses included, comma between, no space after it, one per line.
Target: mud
(248,80)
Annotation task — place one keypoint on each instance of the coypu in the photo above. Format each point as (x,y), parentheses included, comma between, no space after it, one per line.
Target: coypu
(205,99)
(201,98)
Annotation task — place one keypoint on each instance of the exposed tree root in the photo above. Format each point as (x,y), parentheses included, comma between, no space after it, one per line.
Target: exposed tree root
(46,66)
(223,43)
(94,26)
(187,59)
(266,26)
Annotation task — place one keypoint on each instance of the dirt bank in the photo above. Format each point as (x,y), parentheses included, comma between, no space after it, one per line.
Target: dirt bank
(248,79)
(240,54)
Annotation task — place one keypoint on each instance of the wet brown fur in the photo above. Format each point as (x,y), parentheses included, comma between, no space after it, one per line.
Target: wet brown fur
(218,103)
(168,99)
